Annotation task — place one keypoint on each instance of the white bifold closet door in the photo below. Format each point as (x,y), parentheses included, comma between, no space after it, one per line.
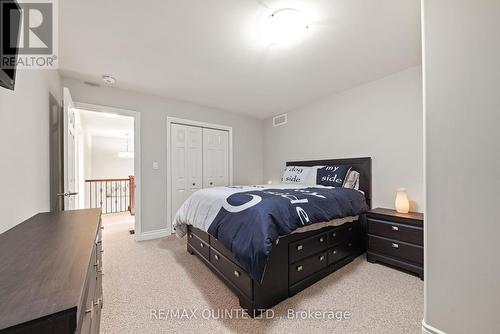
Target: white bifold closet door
(187,165)
(215,158)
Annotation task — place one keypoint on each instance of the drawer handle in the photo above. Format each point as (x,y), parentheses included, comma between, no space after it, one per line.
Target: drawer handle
(394,245)
(202,245)
(321,239)
(236,273)
(334,234)
(395,228)
(194,184)
(334,251)
(322,257)
(299,268)
(299,247)
(216,257)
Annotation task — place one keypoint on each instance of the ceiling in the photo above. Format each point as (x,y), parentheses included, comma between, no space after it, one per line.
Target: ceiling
(100,124)
(213,53)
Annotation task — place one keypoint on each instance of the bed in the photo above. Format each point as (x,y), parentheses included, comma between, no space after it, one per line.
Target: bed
(263,273)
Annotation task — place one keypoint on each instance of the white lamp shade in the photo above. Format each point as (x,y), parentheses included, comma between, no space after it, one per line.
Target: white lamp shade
(402,203)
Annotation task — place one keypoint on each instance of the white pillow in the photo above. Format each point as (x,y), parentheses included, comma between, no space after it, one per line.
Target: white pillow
(295,174)
(311,177)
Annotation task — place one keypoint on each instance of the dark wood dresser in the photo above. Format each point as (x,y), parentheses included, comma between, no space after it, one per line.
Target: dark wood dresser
(51,274)
(396,239)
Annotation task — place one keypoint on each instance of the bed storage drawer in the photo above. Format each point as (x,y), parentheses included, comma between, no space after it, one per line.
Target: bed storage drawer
(306,267)
(234,273)
(396,249)
(340,235)
(339,252)
(406,233)
(306,247)
(218,246)
(199,245)
(199,233)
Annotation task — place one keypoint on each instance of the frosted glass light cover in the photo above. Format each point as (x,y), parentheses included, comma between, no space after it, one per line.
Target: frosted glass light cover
(402,203)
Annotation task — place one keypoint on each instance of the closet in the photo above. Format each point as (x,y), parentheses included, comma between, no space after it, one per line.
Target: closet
(199,159)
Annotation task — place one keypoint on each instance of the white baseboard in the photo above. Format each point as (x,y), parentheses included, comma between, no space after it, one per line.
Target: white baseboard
(150,235)
(428,329)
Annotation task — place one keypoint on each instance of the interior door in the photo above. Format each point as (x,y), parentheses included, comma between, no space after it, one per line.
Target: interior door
(69,154)
(215,158)
(186,163)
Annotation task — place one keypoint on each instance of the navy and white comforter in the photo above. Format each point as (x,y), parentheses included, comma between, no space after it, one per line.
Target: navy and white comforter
(248,220)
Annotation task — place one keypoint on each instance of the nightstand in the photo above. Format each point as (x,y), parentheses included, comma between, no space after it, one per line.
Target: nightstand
(396,239)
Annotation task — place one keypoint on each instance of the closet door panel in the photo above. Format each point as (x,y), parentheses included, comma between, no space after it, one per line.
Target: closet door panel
(215,158)
(195,157)
(178,164)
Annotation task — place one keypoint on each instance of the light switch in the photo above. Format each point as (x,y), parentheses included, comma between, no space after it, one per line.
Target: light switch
(156,165)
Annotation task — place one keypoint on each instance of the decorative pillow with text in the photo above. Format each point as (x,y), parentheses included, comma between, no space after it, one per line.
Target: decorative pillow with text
(295,174)
(332,176)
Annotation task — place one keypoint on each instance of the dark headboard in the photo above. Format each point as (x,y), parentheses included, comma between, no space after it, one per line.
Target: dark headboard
(362,165)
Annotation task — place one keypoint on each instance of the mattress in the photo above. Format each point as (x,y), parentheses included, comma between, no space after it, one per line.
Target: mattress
(319,226)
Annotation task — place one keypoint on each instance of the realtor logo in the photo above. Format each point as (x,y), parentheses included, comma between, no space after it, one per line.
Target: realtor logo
(28,34)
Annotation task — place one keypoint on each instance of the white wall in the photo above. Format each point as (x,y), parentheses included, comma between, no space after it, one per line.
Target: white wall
(247,140)
(381,119)
(24,145)
(462,119)
(105,163)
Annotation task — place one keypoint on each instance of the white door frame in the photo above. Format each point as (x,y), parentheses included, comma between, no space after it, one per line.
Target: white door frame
(137,152)
(175,120)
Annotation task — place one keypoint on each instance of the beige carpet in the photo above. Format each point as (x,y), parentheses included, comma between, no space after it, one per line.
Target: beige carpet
(159,275)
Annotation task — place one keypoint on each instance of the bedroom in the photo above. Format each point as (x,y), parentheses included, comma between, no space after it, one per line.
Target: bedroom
(226,95)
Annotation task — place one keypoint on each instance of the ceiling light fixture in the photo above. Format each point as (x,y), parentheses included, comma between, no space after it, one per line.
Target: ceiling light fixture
(108,80)
(285,26)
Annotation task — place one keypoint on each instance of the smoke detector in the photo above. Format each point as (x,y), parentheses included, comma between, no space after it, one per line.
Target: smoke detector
(108,80)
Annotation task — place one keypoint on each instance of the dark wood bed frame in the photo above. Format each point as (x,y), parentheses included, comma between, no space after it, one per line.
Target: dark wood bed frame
(297,260)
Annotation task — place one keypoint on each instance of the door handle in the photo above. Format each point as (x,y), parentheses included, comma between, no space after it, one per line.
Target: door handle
(67,194)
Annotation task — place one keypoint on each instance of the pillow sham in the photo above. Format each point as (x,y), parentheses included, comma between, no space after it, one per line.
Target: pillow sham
(295,174)
(352,180)
(333,176)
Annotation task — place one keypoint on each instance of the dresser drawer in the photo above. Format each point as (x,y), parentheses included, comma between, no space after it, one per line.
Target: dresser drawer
(300,270)
(231,271)
(199,245)
(301,249)
(340,235)
(396,231)
(396,248)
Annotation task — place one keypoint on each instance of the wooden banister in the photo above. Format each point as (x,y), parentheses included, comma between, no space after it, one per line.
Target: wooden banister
(132,195)
(111,195)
